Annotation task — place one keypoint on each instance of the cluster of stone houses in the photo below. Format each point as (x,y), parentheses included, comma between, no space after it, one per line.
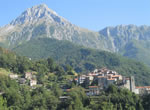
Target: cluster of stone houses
(106,77)
(28,76)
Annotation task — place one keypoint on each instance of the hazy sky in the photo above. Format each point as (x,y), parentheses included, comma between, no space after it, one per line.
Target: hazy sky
(91,14)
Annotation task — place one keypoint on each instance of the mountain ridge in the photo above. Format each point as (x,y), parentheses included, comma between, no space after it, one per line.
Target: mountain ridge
(42,22)
(45,24)
(34,13)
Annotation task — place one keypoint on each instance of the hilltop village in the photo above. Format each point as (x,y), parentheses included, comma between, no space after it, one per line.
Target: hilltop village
(94,82)
(106,77)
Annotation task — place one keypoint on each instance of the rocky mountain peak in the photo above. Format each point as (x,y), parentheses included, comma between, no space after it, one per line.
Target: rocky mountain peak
(36,13)
(43,8)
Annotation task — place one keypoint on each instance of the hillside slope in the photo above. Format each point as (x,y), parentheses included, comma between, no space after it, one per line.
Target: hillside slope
(138,50)
(83,59)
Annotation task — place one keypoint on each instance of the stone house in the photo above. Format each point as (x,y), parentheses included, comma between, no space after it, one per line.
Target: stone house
(13,76)
(33,82)
(22,80)
(93,90)
(28,75)
(81,79)
(143,90)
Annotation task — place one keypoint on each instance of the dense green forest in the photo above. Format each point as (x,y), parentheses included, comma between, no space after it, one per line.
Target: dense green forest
(18,97)
(83,59)
(138,50)
(52,77)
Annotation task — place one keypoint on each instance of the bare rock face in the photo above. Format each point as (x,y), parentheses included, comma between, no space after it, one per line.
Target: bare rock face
(37,13)
(40,21)
(121,35)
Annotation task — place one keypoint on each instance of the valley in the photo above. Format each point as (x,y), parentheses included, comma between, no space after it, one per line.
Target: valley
(48,63)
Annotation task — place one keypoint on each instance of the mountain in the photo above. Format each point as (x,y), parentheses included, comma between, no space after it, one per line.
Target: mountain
(83,59)
(41,22)
(130,40)
(123,34)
